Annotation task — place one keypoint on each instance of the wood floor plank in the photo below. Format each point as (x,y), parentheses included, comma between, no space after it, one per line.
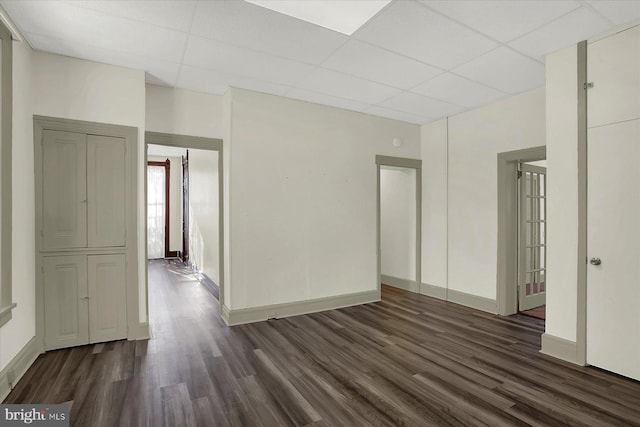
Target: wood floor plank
(407,360)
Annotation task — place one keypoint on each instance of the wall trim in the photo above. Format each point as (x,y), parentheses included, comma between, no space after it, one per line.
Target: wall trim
(258,314)
(473,301)
(224,313)
(560,348)
(433,291)
(397,282)
(581,288)
(17,367)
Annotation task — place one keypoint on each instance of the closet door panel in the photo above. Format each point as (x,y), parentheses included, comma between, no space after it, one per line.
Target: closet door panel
(107,297)
(65,301)
(106,191)
(64,213)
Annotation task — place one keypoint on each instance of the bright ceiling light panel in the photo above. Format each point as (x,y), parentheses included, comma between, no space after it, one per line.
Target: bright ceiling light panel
(344,16)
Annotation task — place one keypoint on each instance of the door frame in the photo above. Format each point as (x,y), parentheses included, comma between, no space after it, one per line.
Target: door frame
(167,206)
(401,162)
(135,328)
(507,277)
(199,143)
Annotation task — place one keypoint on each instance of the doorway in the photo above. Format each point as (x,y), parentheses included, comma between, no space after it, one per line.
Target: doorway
(509,229)
(184,213)
(399,213)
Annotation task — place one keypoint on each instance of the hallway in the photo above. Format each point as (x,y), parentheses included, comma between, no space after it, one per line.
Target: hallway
(407,360)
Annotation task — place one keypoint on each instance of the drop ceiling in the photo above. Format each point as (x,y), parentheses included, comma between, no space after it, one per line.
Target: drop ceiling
(415,61)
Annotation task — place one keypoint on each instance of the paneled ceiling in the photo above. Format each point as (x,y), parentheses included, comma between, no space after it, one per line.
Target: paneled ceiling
(415,61)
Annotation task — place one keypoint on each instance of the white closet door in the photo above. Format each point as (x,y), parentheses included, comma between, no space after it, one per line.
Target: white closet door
(107,297)
(105,191)
(65,301)
(156,209)
(613,278)
(64,188)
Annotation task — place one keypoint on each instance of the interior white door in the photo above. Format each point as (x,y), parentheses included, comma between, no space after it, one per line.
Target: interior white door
(106,202)
(533,243)
(613,278)
(65,301)
(156,191)
(107,297)
(64,188)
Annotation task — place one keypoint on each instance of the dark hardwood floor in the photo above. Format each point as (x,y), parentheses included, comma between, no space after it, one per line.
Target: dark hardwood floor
(408,360)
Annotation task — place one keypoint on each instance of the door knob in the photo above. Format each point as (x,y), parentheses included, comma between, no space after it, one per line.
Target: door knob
(595,261)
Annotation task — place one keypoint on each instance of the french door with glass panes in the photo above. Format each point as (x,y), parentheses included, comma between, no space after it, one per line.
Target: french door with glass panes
(533,227)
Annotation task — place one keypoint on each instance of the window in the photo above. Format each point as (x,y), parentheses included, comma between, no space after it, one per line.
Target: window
(6,86)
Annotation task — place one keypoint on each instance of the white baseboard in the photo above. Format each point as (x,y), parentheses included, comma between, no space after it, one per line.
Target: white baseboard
(17,367)
(560,348)
(433,291)
(473,301)
(258,314)
(397,282)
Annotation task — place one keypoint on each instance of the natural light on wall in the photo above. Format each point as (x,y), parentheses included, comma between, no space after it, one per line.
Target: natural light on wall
(345,16)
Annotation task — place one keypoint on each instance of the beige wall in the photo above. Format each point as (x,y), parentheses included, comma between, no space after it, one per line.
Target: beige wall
(459,231)
(303,198)
(562,190)
(204,212)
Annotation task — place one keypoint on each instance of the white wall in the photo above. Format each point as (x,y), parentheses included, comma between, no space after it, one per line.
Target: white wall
(469,147)
(434,203)
(22,326)
(398,222)
(175,200)
(183,112)
(204,212)
(303,198)
(562,192)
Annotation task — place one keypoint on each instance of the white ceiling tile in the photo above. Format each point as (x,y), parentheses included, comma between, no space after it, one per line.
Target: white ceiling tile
(397,115)
(319,98)
(210,81)
(618,11)
(66,22)
(421,106)
(503,20)
(159,72)
(175,14)
(373,63)
(579,25)
(504,70)
(206,53)
(458,90)
(411,29)
(343,86)
(248,25)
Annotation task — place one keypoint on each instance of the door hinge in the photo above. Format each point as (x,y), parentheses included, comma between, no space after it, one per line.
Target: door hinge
(42,233)
(588,85)
(42,269)
(519,174)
